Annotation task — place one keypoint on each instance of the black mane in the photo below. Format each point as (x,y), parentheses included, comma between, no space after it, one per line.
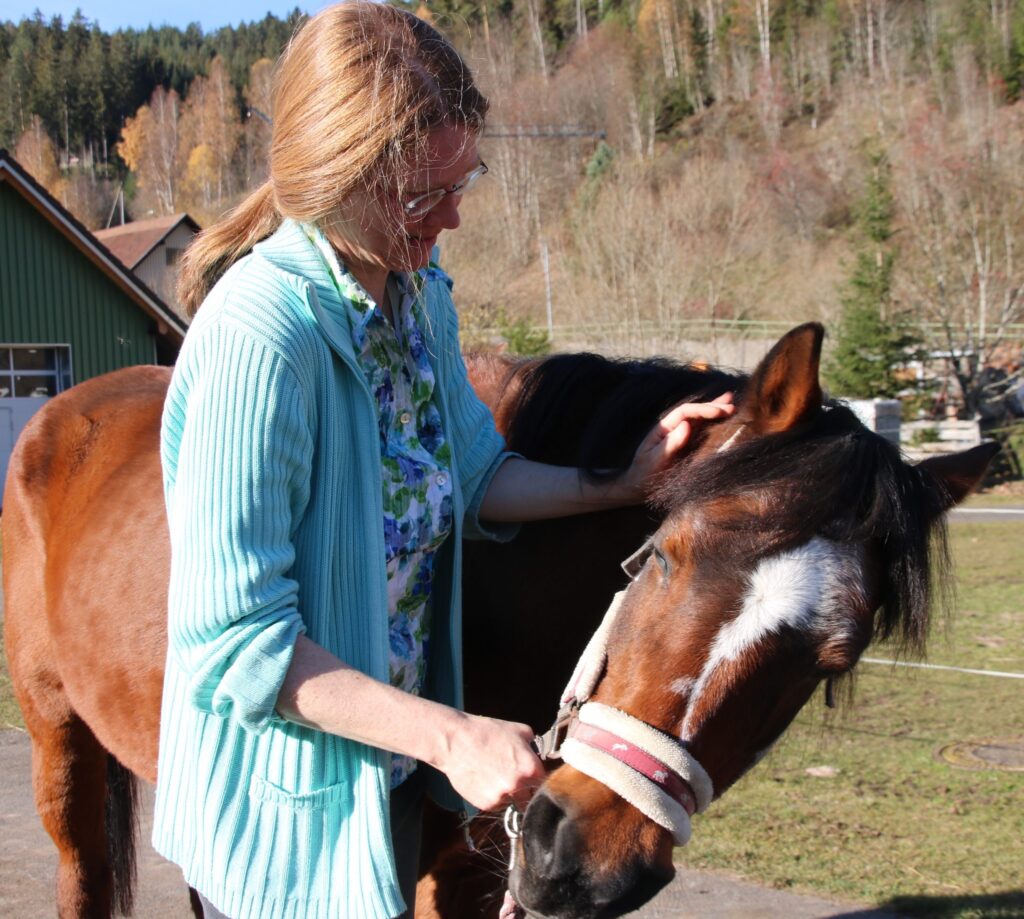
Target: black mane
(840,480)
(846,483)
(591,411)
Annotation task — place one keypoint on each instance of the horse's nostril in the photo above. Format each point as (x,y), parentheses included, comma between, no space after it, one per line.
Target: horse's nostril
(550,839)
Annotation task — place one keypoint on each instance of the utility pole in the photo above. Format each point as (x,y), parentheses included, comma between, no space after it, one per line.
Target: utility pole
(547,285)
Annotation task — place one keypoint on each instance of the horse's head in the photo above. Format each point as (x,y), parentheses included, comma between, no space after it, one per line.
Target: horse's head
(792,536)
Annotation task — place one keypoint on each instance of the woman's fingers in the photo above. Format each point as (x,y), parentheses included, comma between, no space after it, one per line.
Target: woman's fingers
(672,432)
(721,407)
(676,438)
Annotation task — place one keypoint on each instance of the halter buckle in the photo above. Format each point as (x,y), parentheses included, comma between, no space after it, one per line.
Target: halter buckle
(549,744)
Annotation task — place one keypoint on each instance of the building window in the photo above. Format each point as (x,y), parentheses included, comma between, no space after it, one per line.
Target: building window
(34,372)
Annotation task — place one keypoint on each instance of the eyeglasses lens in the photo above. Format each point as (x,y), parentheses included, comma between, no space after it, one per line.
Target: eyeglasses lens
(419,205)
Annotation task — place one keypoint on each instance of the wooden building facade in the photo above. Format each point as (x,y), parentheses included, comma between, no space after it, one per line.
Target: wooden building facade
(69,310)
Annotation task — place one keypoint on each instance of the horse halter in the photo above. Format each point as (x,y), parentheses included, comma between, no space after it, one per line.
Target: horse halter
(642,764)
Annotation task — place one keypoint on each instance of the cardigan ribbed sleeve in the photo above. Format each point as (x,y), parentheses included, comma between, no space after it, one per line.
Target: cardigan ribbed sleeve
(236,448)
(476,443)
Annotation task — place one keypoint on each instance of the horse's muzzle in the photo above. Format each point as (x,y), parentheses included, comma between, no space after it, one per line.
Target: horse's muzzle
(556,877)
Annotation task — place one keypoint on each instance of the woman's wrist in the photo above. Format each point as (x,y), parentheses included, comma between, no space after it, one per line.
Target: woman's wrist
(619,491)
(523,490)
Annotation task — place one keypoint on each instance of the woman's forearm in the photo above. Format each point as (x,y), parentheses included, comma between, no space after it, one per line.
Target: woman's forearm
(523,490)
(488,761)
(323,692)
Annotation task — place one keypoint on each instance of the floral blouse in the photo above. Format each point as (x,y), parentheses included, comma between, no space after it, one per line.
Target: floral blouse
(415,464)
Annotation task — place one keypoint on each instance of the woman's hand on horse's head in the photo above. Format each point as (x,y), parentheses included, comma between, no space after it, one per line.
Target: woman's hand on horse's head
(491,762)
(669,436)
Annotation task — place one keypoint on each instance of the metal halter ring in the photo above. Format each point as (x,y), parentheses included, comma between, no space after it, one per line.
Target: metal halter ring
(513,822)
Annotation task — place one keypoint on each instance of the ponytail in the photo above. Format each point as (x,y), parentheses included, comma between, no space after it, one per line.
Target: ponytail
(216,249)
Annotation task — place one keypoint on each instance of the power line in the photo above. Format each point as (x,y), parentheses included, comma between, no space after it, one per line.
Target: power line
(545,131)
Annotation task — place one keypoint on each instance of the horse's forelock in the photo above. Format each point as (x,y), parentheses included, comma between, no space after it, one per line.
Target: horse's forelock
(830,477)
(833,477)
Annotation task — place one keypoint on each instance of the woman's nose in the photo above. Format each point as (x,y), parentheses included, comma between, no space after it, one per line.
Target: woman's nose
(447,211)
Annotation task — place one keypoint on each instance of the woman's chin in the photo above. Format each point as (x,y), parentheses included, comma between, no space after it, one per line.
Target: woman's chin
(420,249)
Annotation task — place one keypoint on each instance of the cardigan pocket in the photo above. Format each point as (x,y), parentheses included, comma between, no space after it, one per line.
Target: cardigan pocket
(262,790)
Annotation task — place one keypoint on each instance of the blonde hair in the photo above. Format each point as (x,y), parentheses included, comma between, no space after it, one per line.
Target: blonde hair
(356,91)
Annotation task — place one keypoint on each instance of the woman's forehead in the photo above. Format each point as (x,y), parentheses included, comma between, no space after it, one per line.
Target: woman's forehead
(448,152)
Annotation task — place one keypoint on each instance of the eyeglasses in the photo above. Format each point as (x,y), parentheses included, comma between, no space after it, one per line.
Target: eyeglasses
(418,206)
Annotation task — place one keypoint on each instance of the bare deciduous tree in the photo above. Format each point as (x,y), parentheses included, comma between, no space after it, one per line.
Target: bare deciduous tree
(651,249)
(257,129)
(36,152)
(209,134)
(149,145)
(962,239)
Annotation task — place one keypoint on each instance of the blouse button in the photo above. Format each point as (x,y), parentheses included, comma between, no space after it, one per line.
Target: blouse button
(405,417)
(441,479)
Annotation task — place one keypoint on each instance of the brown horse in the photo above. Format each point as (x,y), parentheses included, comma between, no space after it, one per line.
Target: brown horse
(791,536)
(799,486)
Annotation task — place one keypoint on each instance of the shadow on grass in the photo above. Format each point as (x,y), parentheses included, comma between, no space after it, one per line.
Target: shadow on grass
(1006,905)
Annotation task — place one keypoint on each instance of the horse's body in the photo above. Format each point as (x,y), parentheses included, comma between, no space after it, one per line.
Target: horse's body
(85,572)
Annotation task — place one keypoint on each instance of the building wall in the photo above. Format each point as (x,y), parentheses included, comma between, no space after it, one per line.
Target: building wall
(159,270)
(52,293)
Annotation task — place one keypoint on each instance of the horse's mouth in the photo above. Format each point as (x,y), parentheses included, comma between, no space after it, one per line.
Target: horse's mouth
(512,910)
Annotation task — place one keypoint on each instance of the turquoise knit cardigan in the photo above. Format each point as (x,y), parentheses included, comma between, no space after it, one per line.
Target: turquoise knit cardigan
(271,464)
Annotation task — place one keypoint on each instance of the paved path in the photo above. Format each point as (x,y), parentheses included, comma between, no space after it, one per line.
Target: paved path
(28,861)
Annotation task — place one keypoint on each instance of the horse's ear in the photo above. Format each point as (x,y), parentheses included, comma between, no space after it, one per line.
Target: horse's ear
(958,474)
(784,389)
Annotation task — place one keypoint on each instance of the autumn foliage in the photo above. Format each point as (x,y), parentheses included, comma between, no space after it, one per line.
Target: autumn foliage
(656,166)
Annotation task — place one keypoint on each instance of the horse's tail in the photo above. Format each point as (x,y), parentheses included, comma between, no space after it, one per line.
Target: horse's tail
(121,826)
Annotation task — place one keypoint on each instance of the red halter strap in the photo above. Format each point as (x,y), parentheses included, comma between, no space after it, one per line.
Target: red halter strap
(641,761)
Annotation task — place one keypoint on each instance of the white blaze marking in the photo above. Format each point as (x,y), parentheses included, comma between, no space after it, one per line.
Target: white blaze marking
(805,588)
(683,685)
(731,440)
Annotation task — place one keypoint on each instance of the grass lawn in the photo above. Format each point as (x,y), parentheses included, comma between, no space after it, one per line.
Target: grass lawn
(891,823)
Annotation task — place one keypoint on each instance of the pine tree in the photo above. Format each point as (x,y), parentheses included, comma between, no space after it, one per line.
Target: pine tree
(873,337)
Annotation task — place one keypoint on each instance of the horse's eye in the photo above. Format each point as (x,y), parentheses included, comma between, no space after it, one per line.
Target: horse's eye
(659,557)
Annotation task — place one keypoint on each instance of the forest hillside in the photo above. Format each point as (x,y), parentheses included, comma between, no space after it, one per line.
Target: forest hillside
(655,164)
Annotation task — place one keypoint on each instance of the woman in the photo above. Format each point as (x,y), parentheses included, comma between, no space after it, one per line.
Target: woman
(324,456)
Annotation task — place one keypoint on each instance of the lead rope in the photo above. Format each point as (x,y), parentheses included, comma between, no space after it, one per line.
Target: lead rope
(549,744)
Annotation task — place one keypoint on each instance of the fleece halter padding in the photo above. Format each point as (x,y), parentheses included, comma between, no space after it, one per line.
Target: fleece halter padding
(646,793)
(590,666)
(623,763)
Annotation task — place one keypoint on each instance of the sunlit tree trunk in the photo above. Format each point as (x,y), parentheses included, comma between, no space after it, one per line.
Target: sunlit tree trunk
(537,34)
(762,9)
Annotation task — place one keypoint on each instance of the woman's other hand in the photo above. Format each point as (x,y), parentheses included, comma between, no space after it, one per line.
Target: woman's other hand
(669,436)
(523,490)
